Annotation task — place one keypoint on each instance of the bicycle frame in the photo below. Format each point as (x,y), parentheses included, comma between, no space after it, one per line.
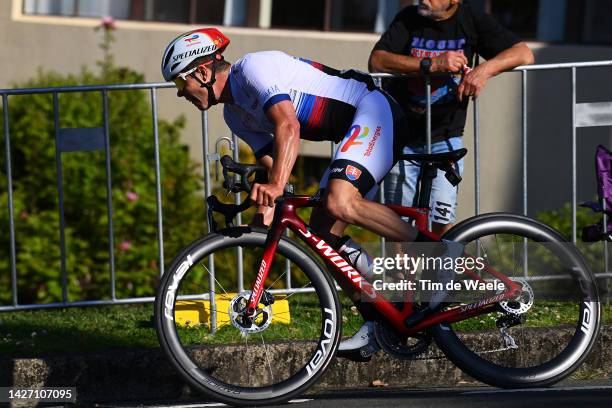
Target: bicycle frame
(347,277)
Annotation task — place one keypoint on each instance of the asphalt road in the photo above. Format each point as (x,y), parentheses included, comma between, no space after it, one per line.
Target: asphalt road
(571,395)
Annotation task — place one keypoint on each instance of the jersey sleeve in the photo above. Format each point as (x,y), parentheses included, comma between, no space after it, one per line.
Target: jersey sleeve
(493,38)
(261,77)
(395,39)
(261,143)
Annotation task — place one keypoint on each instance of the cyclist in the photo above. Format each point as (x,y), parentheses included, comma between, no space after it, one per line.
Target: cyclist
(272,100)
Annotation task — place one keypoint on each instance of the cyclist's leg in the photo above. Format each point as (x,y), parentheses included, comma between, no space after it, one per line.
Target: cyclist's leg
(350,182)
(326,226)
(365,156)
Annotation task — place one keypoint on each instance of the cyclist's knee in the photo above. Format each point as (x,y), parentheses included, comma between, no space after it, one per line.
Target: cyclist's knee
(340,211)
(341,207)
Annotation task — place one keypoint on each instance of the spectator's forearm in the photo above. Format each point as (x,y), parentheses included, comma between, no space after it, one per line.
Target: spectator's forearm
(384,61)
(518,54)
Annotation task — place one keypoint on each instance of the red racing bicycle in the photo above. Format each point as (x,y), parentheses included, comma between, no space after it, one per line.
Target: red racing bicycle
(271,343)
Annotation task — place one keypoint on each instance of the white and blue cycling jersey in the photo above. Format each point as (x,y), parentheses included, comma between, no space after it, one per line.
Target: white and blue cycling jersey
(341,106)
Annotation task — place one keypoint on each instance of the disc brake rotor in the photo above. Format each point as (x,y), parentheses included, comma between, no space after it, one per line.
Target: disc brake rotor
(246,324)
(522,303)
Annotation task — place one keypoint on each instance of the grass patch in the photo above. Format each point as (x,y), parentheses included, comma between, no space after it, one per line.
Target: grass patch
(45,332)
(42,332)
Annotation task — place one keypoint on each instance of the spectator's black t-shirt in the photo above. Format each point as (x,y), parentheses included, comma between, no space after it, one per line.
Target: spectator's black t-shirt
(413,35)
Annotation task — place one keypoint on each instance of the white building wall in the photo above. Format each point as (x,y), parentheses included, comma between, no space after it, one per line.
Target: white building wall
(65,44)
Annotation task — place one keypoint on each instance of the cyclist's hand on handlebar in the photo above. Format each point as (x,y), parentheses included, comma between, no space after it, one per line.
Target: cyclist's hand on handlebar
(266,194)
(450,61)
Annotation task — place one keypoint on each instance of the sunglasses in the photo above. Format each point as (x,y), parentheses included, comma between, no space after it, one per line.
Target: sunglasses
(181,80)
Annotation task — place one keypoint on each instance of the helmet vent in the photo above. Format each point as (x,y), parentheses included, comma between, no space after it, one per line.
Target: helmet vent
(168,56)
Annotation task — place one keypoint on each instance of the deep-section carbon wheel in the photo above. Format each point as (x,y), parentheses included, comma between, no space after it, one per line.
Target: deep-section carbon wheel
(247,361)
(546,332)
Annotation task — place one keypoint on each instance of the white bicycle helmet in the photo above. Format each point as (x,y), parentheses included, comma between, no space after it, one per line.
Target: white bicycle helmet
(187,47)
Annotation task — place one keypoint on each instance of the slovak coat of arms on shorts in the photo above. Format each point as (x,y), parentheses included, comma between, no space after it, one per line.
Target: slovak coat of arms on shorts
(352,172)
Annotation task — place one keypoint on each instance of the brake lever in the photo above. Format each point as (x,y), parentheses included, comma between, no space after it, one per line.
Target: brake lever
(211,201)
(228,210)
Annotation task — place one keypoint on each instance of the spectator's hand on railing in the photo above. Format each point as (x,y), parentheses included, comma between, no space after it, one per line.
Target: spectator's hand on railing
(451,61)
(474,81)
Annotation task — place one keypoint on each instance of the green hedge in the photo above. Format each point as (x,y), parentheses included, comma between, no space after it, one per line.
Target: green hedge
(36,200)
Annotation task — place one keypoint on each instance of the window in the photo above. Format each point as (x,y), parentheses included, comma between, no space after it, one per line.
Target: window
(597,28)
(78,8)
(520,17)
(573,21)
(307,15)
(175,11)
(359,15)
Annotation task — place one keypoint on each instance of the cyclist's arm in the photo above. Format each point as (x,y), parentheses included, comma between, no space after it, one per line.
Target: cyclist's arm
(264,214)
(286,141)
(286,148)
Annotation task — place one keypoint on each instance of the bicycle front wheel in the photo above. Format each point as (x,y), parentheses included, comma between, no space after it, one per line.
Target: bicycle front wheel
(264,360)
(544,334)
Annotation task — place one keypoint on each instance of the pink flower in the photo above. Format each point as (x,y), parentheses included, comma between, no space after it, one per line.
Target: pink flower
(125,245)
(131,196)
(108,23)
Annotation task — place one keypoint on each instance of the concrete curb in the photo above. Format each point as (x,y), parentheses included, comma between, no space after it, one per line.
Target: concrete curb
(137,375)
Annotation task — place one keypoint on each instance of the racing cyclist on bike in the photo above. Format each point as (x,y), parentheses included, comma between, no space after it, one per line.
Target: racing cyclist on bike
(271,101)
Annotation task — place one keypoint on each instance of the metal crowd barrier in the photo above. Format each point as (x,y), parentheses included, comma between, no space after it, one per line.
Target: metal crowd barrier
(582,116)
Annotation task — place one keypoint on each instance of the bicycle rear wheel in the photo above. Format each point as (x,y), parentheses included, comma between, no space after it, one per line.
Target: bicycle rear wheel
(268,360)
(543,335)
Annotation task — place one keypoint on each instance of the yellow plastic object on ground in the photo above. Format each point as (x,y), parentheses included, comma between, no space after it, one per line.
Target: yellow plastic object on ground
(196,312)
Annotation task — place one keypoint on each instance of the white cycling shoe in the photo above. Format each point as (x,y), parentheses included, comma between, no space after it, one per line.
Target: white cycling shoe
(362,345)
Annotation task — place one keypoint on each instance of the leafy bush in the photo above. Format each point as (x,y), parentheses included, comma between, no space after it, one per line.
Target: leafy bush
(36,200)
(561,220)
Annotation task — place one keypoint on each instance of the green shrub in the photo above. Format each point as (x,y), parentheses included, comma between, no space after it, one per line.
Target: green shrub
(85,194)
(561,220)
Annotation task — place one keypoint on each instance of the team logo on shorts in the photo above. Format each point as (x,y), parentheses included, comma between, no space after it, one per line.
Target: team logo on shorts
(354,131)
(352,173)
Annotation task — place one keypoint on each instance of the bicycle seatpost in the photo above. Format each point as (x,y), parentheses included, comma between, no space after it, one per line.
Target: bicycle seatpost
(428,172)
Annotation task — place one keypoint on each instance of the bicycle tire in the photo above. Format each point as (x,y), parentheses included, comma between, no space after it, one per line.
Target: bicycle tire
(548,372)
(320,356)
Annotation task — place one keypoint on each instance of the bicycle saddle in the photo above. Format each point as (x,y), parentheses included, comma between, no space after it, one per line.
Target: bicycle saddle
(445,157)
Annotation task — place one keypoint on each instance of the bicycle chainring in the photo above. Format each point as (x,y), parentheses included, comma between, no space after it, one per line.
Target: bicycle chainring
(399,346)
(244,323)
